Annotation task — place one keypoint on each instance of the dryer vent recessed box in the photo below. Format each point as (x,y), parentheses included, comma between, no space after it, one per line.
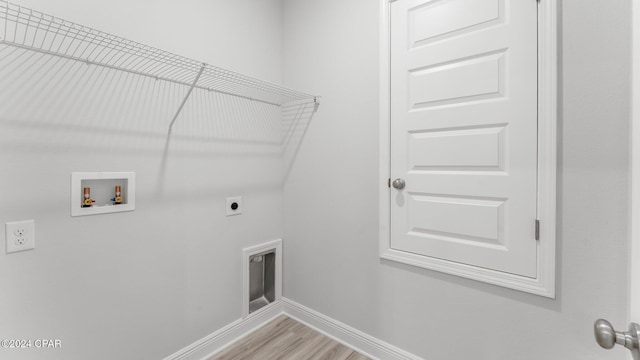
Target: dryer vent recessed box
(262,276)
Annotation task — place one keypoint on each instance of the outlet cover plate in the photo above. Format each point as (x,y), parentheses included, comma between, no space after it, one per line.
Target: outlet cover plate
(20,236)
(230,201)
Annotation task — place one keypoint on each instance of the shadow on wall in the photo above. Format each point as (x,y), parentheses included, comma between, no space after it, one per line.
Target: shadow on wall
(74,102)
(56,106)
(77,105)
(295,121)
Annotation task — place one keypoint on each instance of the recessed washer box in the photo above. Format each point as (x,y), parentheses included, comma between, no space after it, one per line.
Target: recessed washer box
(95,193)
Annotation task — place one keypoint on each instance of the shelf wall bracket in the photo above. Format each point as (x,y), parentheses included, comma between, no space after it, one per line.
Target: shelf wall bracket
(186,97)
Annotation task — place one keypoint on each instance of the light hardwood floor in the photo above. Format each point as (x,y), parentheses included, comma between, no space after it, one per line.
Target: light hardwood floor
(286,339)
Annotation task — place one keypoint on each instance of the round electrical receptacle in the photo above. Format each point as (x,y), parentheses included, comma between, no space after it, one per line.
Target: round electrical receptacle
(234,206)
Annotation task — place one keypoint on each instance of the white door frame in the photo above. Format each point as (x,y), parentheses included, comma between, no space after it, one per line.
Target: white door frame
(634,213)
(544,283)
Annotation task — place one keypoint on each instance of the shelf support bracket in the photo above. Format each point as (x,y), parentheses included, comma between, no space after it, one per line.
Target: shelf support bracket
(184,101)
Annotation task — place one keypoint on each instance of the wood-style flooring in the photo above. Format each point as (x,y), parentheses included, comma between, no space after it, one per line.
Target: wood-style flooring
(286,339)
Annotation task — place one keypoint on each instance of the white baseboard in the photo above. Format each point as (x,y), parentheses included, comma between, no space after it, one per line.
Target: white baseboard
(217,341)
(363,343)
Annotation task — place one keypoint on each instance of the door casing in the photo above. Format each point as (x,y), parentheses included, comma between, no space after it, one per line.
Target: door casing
(634,213)
(544,282)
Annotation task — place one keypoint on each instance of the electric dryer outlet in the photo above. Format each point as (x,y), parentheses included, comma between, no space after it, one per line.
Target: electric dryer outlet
(234,205)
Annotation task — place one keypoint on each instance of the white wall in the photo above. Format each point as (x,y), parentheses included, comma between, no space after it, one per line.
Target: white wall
(331,204)
(137,285)
(142,285)
(229,34)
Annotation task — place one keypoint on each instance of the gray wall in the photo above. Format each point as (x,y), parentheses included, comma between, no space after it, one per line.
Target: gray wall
(331,203)
(144,284)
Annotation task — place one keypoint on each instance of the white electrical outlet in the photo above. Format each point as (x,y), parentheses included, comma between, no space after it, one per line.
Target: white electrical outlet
(234,205)
(20,236)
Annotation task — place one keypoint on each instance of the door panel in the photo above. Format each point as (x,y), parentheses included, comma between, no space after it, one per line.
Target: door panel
(483,76)
(446,149)
(464,131)
(436,20)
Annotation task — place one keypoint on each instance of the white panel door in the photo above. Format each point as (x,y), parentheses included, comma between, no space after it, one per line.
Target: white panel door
(464,131)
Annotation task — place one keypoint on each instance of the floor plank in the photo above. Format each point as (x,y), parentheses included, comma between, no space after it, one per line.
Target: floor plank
(286,339)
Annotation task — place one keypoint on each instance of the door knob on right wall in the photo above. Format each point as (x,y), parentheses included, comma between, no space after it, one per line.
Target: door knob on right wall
(607,337)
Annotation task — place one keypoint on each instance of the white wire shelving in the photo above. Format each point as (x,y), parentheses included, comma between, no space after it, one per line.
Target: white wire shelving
(33,30)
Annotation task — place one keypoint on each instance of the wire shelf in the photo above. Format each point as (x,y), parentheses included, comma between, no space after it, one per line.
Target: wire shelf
(33,30)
